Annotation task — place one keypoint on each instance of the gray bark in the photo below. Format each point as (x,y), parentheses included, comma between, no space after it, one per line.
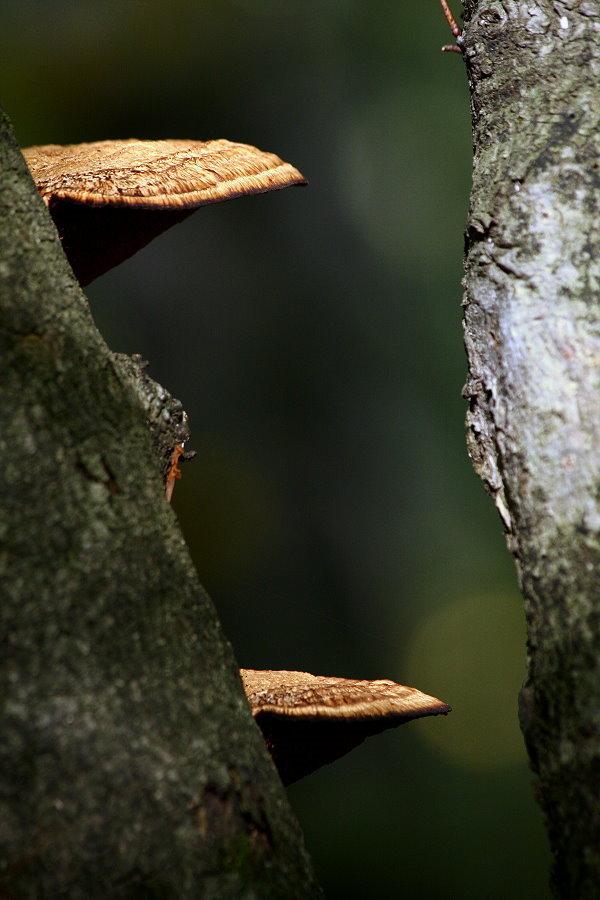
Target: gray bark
(129,762)
(532,335)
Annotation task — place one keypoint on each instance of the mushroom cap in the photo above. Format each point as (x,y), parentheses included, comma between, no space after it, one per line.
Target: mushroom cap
(309,720)
(110,198)
(156,174)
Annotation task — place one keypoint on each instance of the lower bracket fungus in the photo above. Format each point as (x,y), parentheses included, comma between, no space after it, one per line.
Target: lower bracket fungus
(308,720)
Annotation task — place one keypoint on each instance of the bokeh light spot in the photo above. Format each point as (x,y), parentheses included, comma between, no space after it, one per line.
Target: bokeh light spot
(471,654)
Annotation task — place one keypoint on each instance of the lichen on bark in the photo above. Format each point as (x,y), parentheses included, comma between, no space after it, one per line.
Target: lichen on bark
(129,762)
(532,334)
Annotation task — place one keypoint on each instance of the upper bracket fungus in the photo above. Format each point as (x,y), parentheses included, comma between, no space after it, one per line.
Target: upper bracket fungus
(108,199)
(309,720)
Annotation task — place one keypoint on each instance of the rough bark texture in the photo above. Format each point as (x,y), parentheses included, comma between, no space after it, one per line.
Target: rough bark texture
(129,763)
(533,341)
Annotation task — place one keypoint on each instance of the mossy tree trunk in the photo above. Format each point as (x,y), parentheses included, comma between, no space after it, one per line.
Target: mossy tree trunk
(129,762)
(532,335)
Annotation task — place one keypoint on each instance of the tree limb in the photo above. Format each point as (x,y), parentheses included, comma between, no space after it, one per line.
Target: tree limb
(129,763)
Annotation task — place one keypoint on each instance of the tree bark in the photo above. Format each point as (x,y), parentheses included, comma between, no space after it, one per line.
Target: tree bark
(532,336)
(129,762)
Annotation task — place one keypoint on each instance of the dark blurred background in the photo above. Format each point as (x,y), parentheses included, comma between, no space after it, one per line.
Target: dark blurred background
(314,337)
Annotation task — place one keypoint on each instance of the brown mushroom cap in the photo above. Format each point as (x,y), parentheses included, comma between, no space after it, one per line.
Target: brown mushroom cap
(309,720)
(110,198)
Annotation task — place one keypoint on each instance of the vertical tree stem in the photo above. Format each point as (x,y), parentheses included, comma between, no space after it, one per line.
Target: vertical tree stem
(532,335)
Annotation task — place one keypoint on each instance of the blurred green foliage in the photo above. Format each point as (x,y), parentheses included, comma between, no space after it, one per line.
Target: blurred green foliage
(314,337)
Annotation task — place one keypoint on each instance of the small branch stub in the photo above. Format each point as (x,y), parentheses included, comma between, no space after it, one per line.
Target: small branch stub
(454,28)
(167,420)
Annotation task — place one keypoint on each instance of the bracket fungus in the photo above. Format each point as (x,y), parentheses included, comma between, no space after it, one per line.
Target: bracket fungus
(308,720)
(109,199)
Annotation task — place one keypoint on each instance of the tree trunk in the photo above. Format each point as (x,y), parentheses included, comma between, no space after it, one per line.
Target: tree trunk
(129,762)
(533,341)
